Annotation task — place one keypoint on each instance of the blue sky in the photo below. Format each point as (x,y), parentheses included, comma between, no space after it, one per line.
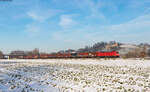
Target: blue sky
(52,25)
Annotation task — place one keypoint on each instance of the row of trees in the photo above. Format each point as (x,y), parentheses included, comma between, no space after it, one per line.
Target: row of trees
(137,53)
(100,46)
(21,52)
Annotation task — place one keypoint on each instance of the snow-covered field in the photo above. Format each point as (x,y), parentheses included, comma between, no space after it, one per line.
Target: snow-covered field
(86,75)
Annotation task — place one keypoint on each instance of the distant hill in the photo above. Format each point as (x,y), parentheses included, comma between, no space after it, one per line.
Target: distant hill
(123,48)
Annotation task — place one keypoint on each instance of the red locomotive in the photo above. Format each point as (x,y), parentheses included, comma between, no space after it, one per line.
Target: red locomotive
(107,54)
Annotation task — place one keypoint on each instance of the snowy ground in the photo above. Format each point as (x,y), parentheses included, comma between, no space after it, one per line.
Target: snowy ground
(86,75)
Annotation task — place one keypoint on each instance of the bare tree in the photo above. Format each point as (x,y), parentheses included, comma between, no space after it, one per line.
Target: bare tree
(36,51)
(148,53)
(1,54)
(136,53)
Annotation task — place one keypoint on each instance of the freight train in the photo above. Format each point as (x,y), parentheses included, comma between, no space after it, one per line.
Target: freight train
(112,54)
